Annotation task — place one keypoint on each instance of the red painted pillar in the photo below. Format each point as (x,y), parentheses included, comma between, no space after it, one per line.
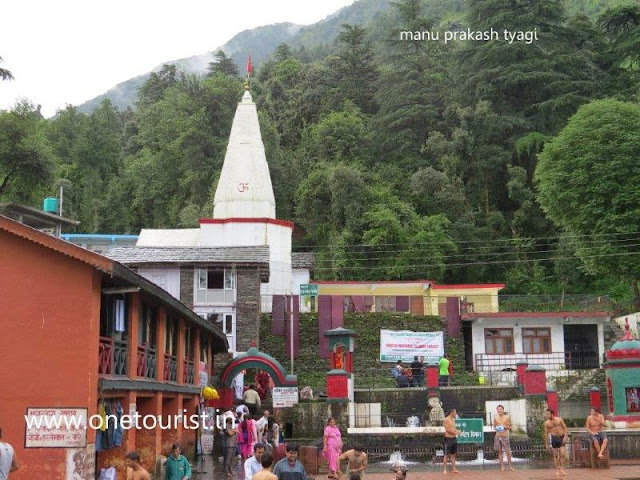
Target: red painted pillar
(535,381)
(595,398)
(521,367)
(432,376)
(552,400)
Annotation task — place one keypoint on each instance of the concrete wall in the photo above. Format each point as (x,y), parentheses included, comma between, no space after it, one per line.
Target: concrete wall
(50,306)
(467,400)
(167,278)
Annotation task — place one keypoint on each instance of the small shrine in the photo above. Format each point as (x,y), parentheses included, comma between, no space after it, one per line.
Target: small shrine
(622,370)
(340,375)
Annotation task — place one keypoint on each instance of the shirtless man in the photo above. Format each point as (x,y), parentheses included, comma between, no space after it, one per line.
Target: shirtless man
(502,426)
(450,441)
(595,424)
(556,427)
(357,463)
(135,471)
(265,474)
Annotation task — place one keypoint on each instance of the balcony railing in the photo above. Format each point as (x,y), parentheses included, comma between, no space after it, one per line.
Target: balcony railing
(112,357)
(551,361)
(146,365)
(189,371)
(170,368)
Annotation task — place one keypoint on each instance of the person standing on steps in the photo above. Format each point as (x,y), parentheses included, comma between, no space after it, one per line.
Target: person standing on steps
(444,371)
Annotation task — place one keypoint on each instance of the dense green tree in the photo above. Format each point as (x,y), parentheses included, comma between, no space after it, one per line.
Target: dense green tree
(410,93)
(357,68)
(26,160)
(153,89)
(223,65)
(588,184)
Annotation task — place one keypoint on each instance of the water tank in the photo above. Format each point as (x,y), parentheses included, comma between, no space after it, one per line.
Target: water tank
(50,205)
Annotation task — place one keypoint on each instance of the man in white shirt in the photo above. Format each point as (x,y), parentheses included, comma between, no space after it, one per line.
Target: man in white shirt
(262,424)
(8,461)
(238,385)
(252,464)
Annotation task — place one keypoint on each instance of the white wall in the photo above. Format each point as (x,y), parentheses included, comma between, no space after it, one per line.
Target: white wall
(277,237)
(516,409)
(167,278)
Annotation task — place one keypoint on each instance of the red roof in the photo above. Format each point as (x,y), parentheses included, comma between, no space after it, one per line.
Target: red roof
(367,282)
(273,221)
(461,286)
(469,316)
(69,249)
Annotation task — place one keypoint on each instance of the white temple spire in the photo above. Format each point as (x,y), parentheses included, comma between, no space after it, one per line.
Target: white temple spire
(244,188)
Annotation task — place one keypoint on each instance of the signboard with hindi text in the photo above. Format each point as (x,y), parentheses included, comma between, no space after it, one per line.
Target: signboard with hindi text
(308,290)
(404,345)
(284,396)
(472,430)
(56,427)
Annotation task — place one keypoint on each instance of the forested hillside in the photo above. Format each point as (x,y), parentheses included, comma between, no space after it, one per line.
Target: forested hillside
(395,159)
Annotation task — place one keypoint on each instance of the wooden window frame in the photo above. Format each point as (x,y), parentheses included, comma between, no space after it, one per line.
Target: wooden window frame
(492,339)
(528,343)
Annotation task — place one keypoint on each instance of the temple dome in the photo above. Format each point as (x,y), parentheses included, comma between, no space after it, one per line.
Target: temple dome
(625,348)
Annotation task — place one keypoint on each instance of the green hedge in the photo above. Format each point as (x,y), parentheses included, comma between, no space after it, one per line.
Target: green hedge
(369,371)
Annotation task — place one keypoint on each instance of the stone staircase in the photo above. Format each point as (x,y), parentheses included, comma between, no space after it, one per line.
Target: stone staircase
(580,389)
(612,333)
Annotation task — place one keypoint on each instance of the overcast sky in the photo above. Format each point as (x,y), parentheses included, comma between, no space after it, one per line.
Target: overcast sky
(69,51)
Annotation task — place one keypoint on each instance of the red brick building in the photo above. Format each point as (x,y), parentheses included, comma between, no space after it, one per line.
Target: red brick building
(80,330)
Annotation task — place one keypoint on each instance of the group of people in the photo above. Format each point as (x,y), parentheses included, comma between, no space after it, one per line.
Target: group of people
(177,467)
(413,376)
(555,434)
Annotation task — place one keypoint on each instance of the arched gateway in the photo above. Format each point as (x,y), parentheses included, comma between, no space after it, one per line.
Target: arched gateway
(254,358)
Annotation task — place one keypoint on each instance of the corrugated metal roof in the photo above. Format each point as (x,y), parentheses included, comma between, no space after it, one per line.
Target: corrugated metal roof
(146,255)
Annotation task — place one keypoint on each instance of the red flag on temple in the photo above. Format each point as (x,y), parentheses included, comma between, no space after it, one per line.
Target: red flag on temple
(249,66)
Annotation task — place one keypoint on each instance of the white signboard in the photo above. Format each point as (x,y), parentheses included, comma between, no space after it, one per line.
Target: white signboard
(81,463)
(207,443)
(56,428)
(404,345)
(284,396)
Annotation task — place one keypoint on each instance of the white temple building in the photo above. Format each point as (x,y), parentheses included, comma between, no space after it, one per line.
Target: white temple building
(244,207)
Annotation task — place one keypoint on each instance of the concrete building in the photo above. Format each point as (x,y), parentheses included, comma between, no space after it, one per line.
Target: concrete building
(221,284)
(419,297)
(82,332)
(555,340)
